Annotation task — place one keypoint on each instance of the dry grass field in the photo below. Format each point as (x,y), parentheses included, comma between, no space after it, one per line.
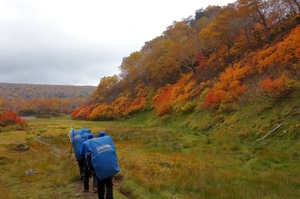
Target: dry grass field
(155,163)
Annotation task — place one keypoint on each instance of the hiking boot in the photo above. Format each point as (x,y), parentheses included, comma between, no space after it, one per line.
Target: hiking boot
(85,190)
(95,190)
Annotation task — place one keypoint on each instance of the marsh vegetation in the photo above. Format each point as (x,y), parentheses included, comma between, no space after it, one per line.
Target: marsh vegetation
(155,161)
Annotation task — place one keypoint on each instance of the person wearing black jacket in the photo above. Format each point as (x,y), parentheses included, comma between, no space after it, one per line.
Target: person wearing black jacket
(100,154)
(87,173)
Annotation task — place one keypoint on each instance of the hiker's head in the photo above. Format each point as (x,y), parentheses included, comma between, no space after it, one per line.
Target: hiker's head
(90,136)
(101,134)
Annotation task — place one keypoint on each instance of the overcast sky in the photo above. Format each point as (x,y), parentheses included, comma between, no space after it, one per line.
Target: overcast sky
(72,42)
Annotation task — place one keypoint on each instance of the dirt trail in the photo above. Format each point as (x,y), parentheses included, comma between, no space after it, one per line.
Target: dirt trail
(86,195)
(57,151)
(78,187)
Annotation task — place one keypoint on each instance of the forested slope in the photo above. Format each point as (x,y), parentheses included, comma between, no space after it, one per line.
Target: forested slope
(31,91)
(39,99)
(221,59)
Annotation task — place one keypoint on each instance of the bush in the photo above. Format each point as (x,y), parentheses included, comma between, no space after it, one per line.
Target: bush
(278,88)
(10,118)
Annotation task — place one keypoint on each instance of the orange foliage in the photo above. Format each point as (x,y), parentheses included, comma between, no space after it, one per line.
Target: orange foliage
(276,88)
(164,66)
(162,101)
(164,108)
(229,88)
(103,112)
(175,96)
(137,104)
(85,112)
(185,89)
(122,106)
(284,54)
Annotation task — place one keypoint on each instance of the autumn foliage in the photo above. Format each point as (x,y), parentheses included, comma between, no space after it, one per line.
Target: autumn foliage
(10,118)
(229,87)
(178,97)
(279,87)
(119,108)
(217,60)
(162,102)
(220,59)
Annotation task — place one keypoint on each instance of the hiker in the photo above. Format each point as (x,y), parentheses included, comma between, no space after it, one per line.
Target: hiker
(100,153)
(87,172)
(77,138)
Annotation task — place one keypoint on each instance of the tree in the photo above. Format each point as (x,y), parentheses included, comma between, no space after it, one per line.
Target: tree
(161,69)
(185,55)
(258,11)
(104,89)
(132,70)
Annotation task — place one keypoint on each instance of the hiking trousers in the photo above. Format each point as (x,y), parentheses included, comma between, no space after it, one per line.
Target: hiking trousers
(105,184)
(86,178)
(81,167)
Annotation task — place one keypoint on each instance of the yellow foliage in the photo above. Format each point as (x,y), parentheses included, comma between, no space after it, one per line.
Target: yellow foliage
(285,53)
(103,111)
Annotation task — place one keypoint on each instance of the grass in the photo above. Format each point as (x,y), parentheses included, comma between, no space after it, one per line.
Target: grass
(177,156)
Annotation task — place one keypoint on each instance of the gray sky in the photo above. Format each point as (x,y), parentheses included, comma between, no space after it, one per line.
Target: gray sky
(76,42)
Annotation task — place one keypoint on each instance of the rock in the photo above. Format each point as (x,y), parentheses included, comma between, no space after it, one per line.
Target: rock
(30,171)
(21,147)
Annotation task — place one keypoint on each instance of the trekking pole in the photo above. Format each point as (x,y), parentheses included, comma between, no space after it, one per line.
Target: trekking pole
(71,144)
(70,153)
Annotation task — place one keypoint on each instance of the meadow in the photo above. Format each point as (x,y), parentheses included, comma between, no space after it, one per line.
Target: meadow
(156,162)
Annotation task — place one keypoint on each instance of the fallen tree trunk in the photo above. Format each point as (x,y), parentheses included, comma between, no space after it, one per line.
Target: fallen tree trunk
(269,132)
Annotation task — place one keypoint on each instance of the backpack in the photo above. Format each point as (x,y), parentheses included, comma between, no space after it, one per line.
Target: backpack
(77,137)
(103,157)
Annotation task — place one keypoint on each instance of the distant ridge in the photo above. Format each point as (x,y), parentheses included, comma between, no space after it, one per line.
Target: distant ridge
(31,91)
(46,84)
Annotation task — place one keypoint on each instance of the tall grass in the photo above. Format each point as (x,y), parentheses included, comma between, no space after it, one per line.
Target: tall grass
(173,161)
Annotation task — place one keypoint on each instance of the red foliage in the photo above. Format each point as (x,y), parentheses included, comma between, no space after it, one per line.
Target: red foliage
(10,118)
(75,112)
(276,88)
(137,105)
(214,98)
(162,102)
(86,111)
(164,96)
(200,57)
(82,112)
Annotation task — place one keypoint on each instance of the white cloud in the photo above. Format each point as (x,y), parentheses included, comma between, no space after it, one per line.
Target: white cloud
(78,42)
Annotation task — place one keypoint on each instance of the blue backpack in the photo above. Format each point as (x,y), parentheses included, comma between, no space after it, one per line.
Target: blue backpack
(103,157)
(77,138)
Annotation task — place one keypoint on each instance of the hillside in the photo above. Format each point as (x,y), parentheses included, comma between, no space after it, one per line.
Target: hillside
(222,60)
(46,100)
(31,91)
